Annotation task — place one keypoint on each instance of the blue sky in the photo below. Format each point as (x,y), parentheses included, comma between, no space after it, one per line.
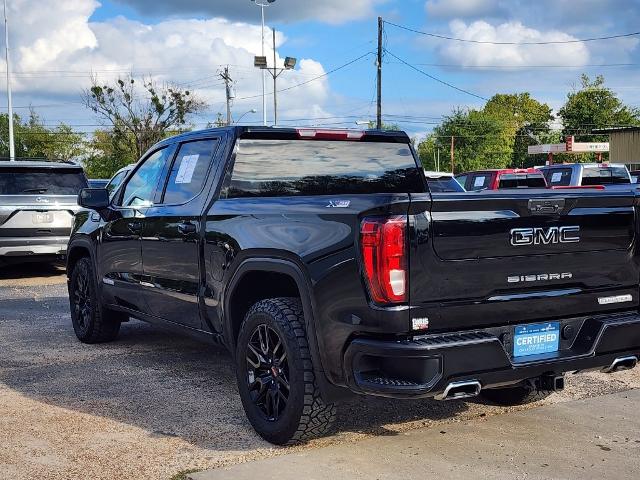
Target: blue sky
(116,36)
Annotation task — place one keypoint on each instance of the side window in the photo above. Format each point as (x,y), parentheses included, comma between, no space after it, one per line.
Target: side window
(558,177)
(189,171)
(141,187)
(480,182)
(462,180)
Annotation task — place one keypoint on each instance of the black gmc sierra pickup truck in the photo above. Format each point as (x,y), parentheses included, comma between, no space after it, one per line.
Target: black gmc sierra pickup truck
(320,259)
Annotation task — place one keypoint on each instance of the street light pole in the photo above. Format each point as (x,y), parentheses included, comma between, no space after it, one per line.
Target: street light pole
(12,148)
(253,110)
(262,4)
(264,76)
(275,86)
(289,64)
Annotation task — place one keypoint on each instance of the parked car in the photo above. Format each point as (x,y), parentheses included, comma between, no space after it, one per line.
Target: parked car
(118,178)
(37,203)
(442,182)
(586,174)
(635,175)
(502,179)
(322,262)
(97,183)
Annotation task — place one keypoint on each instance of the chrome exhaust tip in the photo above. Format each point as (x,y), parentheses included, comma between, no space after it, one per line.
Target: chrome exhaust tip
(622,363)
(460,390)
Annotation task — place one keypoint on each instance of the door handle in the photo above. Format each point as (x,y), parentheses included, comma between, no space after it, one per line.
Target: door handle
(186,228)
(135,227)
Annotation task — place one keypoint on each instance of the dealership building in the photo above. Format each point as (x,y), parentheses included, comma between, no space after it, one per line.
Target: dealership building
(624,145)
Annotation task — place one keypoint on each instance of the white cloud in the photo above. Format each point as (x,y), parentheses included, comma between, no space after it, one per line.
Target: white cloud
(54,53)
(330,11)
(476,54)
(460,8)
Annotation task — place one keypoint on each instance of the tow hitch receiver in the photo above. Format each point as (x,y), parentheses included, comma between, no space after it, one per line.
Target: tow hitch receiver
(553,383)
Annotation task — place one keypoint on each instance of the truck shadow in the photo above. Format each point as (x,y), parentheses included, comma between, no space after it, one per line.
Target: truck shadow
(22,271)
(168,385)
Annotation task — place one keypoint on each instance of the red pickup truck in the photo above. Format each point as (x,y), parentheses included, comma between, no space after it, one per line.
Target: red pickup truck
(502,179)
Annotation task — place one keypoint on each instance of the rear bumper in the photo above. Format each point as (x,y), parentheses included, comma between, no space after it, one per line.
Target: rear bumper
(33,246)
(423,367)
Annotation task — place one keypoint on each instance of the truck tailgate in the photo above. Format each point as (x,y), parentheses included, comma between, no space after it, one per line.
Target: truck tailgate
(524,256)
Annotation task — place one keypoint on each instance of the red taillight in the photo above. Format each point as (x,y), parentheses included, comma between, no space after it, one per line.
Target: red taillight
(384,255)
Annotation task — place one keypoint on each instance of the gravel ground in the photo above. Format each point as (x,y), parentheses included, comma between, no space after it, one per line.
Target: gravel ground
(152,403)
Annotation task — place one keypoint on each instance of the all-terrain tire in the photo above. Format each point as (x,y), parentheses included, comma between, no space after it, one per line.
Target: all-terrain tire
(92,322)
(305,415)
(513,396)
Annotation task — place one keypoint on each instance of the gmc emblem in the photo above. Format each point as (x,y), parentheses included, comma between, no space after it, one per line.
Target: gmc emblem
(544,236)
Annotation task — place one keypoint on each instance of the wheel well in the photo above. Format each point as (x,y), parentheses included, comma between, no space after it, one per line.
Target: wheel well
(253,287)
(74,256)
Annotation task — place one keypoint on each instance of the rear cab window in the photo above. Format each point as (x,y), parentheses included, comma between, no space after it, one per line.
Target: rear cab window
(41,181)
(522,180)
(274,168)
(605,175)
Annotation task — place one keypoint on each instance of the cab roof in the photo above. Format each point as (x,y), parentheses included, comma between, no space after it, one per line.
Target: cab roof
(295,133)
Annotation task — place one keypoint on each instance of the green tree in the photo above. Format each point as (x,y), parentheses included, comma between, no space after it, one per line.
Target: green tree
(33,139)
(109,152)
(594,106)
(141,113)
(392,127)
(495,137)
(477,142)
(521,119)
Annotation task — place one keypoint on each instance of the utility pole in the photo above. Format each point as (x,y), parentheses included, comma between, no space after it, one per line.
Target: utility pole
(275,78)
(227,81)
(12,148)
(453,143)
(379,110)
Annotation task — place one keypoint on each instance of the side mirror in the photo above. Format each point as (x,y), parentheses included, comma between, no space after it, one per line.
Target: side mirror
(94,198)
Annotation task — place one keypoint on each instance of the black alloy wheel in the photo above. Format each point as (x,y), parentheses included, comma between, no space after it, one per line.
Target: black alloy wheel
(82,304)
(276,379)
(92,322)
(267,372)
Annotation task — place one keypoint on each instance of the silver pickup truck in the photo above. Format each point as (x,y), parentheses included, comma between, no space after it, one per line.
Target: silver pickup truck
(587,175)
(38,200)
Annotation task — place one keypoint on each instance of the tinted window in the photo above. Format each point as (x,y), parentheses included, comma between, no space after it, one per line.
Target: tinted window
(115,182)
(189,171)
(480,181)
(558,177)
(270,168)
(529,180)
(462,180)
(444,184)
(43,181)
(605,175)
(141,187)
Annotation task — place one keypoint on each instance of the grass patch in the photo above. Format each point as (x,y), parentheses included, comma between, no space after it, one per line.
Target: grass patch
(182,475)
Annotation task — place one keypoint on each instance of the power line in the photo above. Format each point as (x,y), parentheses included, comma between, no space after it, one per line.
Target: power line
(487,42)
(508,67)
(436,78)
